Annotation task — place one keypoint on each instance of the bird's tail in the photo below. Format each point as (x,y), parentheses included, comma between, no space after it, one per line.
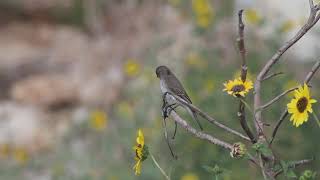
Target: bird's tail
(194,117)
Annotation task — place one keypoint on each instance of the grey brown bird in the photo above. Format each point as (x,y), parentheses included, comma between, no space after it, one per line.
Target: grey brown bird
(170,84)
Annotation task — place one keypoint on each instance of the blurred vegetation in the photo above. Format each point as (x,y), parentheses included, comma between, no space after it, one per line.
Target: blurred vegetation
(100,147)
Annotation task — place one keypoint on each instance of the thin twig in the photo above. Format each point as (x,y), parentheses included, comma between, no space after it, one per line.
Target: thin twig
(314,69)
(294,165)
(312,20)
(199,134)
(243,122)
(308,78)
(159,167)
(316,118)
(272,75)
(275,130)
(210,119)
(262,167)
(276,98)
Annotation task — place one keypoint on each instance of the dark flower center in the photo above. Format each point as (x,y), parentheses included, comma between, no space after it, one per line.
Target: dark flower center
(302,104)
(238,88)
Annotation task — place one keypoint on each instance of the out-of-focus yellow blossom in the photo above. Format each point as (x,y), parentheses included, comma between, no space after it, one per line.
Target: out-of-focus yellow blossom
(113,178)
(20,155)
(203,12)
(174,3)
(288,26)
(209,86)
(252,16)
(300,105)
(190,176)
(194,59)
(4,150)
(98,120)
(132,68)
(125,108)
(141,151)
(237,87)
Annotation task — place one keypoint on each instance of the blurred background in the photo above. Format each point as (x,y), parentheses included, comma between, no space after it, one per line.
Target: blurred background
(77,81)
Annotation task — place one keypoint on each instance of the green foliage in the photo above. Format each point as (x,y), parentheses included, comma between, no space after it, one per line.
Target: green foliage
(308,175)
(216,171)
(287,168)
(262,148)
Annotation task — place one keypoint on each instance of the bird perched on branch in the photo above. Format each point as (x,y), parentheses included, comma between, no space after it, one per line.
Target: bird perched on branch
(170,86)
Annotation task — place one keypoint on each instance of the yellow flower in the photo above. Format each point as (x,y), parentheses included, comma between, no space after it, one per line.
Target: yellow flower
(203,12)
(132,68)
(209,86)
(189,176)
(4,150)
(98,120)
(194,59)
(141,151)
(20,155)
(252,16)
(237,87)
(300,105)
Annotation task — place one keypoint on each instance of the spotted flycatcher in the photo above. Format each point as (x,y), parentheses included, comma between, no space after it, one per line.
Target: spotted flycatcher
(169,84)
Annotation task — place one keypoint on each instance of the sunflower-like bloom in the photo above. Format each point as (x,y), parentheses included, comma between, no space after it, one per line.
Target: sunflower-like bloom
(237,87)
(300,105)
(141,151)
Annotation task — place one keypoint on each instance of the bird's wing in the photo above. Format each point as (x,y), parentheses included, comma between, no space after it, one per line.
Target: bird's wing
(176,87)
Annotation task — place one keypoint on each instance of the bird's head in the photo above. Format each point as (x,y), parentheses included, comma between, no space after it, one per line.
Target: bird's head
(162,71)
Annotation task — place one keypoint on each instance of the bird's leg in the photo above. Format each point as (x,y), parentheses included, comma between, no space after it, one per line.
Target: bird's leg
(175,130)
(167,140)
(164,105)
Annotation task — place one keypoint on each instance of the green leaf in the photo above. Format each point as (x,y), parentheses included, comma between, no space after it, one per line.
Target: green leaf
(263,149)
(291,174)
(284,166)
(216,170)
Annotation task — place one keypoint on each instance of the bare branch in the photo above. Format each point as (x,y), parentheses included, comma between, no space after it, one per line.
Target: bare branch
(276,98)
(199,134)
(241,112)
(314,69)
(275,130)
(312,20)
(243,122)
(210,119)
(294,165)
(272,75)
(307,80)
(241,47)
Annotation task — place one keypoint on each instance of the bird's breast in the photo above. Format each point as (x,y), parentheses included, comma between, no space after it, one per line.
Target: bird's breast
(163,86)
(169,98)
